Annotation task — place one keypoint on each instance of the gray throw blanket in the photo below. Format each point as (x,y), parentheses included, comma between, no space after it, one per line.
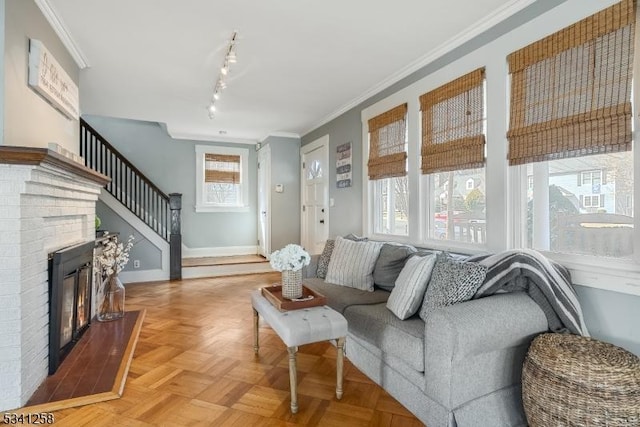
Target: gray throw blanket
(546,282)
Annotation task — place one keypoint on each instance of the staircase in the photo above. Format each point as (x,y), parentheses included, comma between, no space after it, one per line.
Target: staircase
(130,187)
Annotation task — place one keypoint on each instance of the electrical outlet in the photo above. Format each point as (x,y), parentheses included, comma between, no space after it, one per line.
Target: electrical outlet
(136,263)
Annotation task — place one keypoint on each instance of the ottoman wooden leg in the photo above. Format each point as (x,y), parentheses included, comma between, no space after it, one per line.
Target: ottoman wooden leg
(339,367)
(256,321)
(293,378)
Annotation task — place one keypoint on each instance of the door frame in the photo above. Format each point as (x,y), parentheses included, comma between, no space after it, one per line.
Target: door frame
(264,162)
(306,149)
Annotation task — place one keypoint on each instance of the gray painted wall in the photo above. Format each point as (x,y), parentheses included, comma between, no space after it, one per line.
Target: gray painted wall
(285,207)
(28,119)
(610,316)
(170,164)
(149,255)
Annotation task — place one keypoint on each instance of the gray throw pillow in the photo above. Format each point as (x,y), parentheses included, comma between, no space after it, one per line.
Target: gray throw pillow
(352,263)
(452,281)
(389,264)
(325,257)
(355,238)
(407,295)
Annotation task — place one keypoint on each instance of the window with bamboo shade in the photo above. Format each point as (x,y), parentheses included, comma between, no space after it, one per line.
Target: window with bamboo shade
(222,168)
(571,91)
(387,144)
(452,125)
(571,130)
(221,179)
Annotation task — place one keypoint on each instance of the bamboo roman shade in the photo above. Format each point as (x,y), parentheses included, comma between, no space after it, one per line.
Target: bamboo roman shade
(452,125)
(222,168)
(571,91)
(387,152)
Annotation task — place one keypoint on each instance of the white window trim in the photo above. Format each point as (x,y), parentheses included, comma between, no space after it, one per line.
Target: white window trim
(591,198)
(472,182)
(200,205)
(611,274)
(413,154)
(590,174)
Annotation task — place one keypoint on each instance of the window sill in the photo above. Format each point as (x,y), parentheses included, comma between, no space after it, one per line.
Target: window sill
(205,209)
(617,275)
(436,244)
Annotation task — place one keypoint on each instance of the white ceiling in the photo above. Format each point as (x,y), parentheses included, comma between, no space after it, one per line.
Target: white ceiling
(300,63)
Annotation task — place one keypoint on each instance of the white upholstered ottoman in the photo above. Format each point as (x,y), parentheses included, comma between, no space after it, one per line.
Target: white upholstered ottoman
(299,327)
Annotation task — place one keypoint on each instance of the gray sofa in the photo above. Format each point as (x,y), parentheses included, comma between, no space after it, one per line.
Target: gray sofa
(460,368)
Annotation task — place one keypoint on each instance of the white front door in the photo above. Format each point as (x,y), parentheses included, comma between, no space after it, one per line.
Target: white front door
(315,195)
(264,199)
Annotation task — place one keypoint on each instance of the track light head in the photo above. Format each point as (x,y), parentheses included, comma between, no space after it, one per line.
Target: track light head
(229,58)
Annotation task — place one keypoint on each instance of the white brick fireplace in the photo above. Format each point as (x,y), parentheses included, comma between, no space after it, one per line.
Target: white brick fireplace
(47,202)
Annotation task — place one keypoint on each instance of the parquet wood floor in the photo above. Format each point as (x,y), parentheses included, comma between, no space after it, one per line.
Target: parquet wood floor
(194,366)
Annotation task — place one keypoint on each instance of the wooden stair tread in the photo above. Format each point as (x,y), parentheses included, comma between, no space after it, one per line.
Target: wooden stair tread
(222,260)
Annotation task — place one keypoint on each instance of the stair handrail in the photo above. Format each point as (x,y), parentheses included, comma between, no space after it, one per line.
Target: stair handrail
(124,159)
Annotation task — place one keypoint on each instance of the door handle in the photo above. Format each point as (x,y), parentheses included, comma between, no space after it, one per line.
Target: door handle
(322,221)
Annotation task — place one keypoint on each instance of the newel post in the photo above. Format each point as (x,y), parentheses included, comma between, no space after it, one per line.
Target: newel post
(175,242)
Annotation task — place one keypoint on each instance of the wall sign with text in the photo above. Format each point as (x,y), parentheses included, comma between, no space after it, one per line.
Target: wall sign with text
(343,165)
(50,80)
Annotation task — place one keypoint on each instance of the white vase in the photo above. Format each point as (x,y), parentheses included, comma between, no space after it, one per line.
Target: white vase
(291,284)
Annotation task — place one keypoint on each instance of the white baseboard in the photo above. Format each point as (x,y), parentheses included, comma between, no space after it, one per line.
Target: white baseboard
(218,251)
(143,276)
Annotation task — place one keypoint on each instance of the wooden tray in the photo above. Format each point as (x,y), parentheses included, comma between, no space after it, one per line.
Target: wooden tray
(273,294)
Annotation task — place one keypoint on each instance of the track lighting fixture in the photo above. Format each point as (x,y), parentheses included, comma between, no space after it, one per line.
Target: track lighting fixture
(229,58)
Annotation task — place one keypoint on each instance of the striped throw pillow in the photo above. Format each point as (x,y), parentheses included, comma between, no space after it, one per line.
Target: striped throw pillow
(411,284)
(352,263)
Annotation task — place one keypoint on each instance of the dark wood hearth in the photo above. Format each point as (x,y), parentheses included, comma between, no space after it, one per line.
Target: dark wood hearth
(96,368)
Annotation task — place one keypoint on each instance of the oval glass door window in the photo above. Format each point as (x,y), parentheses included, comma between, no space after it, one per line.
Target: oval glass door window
(315,170)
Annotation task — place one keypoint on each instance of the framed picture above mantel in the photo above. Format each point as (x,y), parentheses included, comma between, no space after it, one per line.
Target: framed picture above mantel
(51,81)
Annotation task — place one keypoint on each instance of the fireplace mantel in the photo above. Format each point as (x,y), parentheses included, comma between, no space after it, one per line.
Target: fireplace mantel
(44,156)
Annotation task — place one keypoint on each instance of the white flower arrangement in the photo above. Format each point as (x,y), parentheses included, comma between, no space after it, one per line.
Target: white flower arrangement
(291,257)
(115,256)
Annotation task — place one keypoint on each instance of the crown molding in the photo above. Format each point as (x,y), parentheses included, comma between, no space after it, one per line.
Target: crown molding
(61,30)
(280,135)
(209,138)
(484,24)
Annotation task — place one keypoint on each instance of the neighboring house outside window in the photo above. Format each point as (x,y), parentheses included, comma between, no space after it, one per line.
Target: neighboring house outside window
(221,179)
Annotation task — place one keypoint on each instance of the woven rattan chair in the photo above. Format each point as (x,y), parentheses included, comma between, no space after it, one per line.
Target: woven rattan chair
(569,380)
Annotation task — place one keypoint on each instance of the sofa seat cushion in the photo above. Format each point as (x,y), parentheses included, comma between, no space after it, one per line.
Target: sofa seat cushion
(378,326)
(341,297)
